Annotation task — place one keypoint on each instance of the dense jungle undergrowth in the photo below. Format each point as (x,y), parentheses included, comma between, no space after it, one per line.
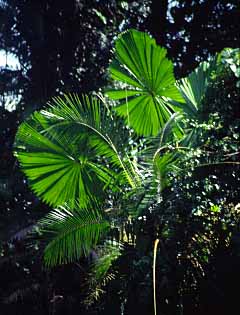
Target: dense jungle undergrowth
(147,160)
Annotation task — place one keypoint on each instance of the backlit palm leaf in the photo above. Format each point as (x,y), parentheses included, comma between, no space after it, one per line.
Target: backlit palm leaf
(193,88)
(148,82)
(67,154)
(71,234)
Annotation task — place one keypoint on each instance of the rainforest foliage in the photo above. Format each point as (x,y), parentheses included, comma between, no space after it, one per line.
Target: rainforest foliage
(158,161)
(134,199)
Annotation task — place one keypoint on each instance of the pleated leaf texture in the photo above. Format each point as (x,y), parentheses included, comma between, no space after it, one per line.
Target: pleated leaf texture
(66,153)
(148,82)
(194,87)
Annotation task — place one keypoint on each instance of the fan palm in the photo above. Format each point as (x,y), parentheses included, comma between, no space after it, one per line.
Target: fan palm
(194,87)
(67,153)
(73,154)
(76,155)
(141,65)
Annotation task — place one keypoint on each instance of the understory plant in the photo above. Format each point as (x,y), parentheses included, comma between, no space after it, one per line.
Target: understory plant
(150,158)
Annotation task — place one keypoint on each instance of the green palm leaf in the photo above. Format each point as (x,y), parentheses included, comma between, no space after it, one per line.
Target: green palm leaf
(67,154)
(148,82)
(108,253)
(194,87)
(71,234)
(102,271)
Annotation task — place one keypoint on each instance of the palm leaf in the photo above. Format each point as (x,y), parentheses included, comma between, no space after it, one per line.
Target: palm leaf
(160,154)
(101,273)
(67,154)
(194,87)
(107,253)
(71,234)
(148,82)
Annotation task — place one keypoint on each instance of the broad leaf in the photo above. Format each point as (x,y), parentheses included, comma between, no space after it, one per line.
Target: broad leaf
(148,82)
(66,152)
(194,87)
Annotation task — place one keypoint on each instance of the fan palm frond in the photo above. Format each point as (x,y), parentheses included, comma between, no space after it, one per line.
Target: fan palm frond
(67,154)
(193,88)
(148,82)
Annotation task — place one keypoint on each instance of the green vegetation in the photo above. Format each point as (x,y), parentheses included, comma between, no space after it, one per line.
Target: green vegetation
(152,158)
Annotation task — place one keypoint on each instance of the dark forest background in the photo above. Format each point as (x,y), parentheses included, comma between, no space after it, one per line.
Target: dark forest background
(65,46)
